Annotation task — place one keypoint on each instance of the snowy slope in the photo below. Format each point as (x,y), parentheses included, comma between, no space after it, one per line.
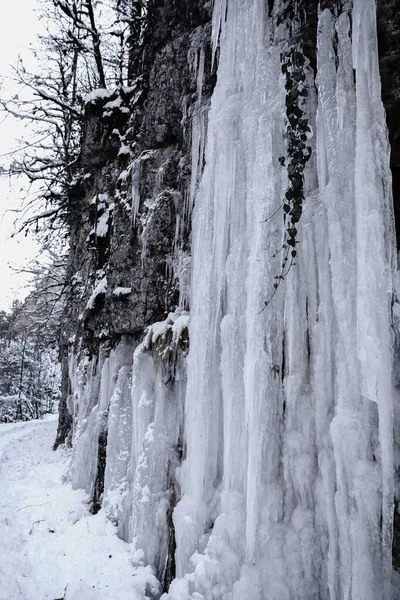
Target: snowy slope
(51,547)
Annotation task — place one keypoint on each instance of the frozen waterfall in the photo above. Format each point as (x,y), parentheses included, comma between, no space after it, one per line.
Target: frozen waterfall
(261,460)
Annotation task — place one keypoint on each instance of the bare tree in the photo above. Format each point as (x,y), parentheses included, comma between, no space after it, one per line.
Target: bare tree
(87,45)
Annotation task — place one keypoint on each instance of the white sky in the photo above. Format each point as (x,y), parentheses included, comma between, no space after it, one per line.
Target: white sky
(18,29)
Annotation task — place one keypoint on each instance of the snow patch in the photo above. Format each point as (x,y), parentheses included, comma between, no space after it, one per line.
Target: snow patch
(99,289)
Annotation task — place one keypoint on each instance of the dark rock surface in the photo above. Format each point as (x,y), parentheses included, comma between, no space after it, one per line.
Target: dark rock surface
(389,50)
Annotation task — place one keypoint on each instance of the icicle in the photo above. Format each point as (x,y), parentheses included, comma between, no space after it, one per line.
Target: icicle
(135,175)
(375,253)
(200,76)
(199,130)
(218,24)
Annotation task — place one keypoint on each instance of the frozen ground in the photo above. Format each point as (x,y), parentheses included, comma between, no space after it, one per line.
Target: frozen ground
(51,547)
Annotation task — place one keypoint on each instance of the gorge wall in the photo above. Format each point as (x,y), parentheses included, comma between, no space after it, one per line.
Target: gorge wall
(231,342)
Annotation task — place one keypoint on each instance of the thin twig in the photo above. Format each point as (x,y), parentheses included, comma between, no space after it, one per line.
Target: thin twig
(273,214)
(30,505)
(34,523)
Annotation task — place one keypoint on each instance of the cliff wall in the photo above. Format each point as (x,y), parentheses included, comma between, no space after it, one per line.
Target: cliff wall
(228,381)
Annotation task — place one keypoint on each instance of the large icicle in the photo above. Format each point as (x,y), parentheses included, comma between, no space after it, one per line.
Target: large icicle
(289,468)
(375,253)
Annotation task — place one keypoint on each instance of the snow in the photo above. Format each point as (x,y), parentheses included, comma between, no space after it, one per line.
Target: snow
(100,288)
(102,224)
(124,150)
(124,175)
(103,199)
(98,94)
(122,291)
(175,322)
(51,544)
(114,103)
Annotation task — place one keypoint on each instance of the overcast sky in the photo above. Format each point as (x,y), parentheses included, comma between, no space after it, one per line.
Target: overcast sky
(19,25)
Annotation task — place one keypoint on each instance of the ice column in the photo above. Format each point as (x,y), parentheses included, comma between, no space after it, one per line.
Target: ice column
(288,479)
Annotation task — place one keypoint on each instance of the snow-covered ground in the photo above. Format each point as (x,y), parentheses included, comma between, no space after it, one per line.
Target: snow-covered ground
(50,545)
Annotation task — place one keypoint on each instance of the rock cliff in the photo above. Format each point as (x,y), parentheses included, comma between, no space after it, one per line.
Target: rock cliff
(235,435)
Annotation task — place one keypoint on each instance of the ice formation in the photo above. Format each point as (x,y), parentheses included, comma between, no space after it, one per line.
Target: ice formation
(264,453)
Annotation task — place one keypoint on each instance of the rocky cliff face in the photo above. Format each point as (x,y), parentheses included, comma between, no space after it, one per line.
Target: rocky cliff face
(132,201)
(129,263)
(250,438)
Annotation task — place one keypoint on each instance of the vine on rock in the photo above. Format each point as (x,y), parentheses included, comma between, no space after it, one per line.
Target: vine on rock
(294,65)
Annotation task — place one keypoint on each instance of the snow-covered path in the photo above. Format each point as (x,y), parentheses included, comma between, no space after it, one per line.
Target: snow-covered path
(49,542)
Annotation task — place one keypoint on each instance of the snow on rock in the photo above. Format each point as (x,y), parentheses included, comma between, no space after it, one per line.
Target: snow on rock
(122,291)
(98,94)
(100,288)
(103,224)
(114,103)
(124,150)
(176,323)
